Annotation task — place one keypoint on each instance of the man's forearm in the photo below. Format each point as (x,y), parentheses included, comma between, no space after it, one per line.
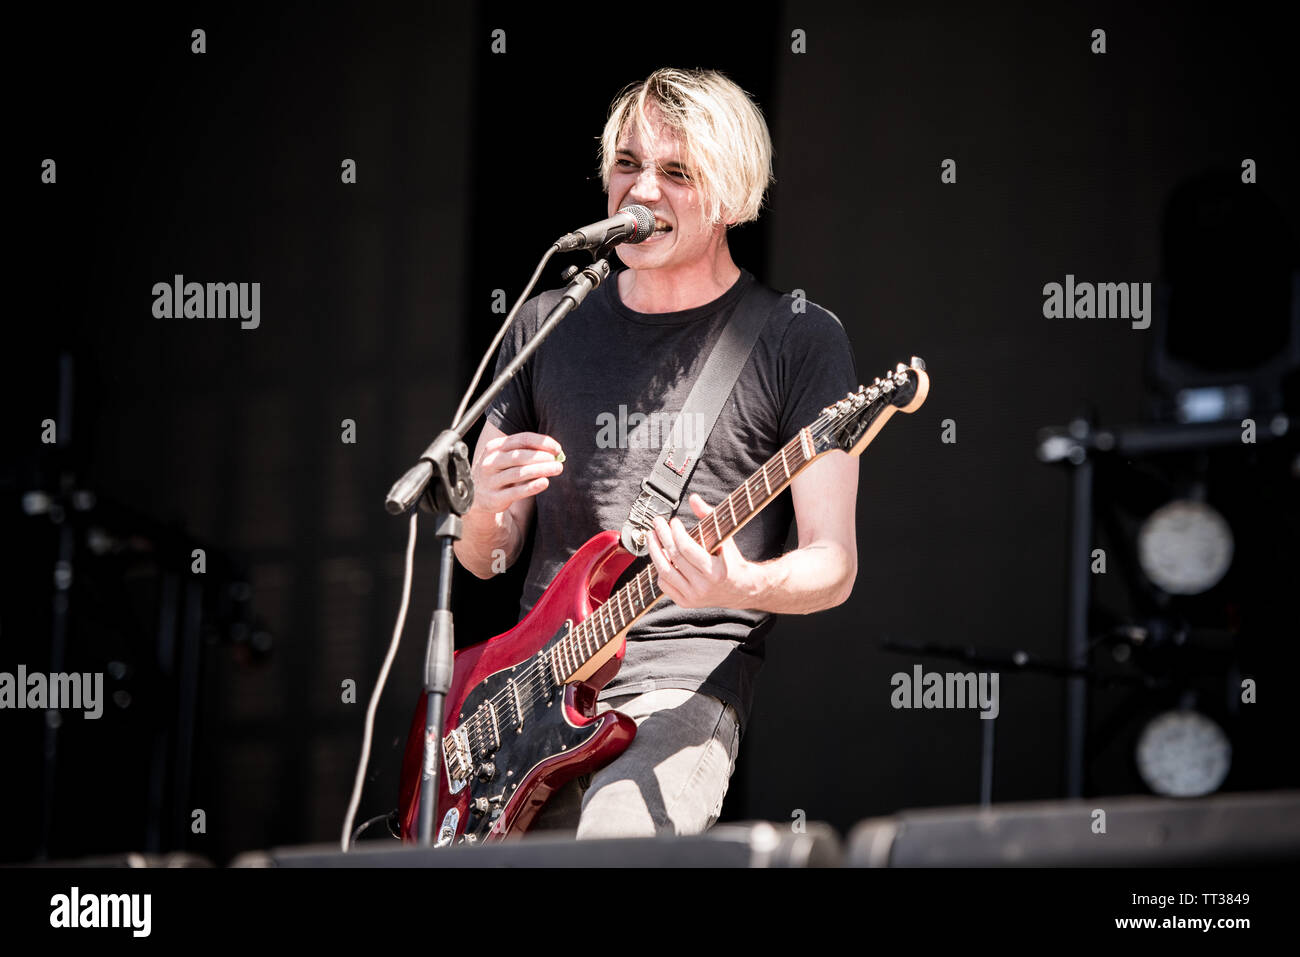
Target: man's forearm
(808,579)
(489,543)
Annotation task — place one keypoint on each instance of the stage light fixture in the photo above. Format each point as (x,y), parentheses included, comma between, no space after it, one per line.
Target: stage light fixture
(1185,547)
(1182,753)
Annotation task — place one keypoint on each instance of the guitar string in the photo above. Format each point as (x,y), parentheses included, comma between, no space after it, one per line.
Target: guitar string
(535,685)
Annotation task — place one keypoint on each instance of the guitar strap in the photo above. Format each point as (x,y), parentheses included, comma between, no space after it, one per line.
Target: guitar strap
(661,490)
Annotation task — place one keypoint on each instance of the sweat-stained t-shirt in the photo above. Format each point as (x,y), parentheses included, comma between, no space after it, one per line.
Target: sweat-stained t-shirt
(607,384)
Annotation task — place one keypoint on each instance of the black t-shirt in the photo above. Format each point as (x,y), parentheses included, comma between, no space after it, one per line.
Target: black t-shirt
(607,384)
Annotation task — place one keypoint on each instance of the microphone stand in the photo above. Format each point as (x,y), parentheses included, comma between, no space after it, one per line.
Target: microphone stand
(441,482)
(1020,661)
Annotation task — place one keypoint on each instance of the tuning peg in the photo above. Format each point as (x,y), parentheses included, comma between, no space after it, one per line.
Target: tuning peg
(918,363)
(900,368)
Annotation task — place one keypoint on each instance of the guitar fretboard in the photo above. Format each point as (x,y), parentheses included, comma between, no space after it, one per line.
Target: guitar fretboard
(637,597)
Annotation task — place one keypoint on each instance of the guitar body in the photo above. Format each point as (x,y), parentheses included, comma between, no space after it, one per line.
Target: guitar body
(559,737)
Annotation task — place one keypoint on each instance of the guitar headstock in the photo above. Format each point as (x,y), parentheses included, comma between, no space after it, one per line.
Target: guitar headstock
(852,422)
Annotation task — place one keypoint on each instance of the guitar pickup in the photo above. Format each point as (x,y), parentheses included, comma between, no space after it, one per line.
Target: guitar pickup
(518,703)
(496,728)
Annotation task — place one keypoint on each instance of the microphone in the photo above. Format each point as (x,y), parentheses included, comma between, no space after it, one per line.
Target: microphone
(631,224)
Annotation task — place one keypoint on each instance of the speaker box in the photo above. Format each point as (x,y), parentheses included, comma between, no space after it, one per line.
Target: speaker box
(1230,829)
(757,844)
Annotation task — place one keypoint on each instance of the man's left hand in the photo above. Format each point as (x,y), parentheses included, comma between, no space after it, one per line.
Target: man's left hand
(692,577)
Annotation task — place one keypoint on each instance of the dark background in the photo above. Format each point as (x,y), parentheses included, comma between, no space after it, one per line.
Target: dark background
(376,306)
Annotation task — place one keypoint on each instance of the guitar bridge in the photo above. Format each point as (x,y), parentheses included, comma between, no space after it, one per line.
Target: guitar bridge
(457,759)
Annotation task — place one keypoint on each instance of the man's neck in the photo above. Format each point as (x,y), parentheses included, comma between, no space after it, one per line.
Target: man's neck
(663,290)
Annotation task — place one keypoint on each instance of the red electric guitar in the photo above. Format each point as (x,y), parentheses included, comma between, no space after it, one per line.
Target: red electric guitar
(520,720)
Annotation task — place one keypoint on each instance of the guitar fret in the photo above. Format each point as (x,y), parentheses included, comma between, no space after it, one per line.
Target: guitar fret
(731,503)
(785,467)
(749,502)
(767,485)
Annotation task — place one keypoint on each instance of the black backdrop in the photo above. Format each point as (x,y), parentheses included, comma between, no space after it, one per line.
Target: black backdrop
(376,305)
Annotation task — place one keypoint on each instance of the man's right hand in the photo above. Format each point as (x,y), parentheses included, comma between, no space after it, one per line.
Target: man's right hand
(514,467)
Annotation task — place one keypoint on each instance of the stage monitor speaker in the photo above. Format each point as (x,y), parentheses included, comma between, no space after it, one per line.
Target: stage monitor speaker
(1229,829)
(756,844)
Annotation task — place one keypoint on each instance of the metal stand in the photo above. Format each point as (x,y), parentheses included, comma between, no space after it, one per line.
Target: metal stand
(986,762)
(1011,662)
(1078,598)
(450,497)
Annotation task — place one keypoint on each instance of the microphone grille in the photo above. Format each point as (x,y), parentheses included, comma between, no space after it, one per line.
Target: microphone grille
(645,222)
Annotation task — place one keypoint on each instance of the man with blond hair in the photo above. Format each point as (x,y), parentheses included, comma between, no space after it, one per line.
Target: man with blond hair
(692,147)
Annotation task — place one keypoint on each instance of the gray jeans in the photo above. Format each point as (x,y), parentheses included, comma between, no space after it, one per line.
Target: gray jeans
(671,779)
